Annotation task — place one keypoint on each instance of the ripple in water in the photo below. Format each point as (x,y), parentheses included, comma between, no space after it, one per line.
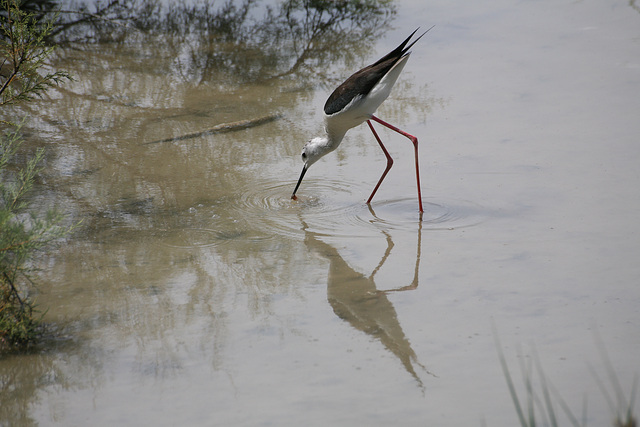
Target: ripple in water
(268,204)
(190,238)
(334,208)
(439,213)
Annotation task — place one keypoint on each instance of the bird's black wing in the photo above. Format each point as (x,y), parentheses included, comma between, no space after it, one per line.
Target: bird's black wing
(358,85)
(363,81)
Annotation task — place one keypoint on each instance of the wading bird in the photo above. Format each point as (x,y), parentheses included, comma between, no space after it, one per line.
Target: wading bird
(353,103)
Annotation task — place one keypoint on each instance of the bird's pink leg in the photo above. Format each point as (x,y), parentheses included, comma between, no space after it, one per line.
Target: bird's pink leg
(389,161)
(413,139)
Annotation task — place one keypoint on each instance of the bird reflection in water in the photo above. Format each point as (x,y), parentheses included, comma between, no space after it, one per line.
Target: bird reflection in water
(356,299)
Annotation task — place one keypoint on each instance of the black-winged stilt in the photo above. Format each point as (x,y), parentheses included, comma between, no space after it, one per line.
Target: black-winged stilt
(354,102)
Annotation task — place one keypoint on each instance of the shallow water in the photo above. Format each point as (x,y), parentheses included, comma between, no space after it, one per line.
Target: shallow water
(195,292)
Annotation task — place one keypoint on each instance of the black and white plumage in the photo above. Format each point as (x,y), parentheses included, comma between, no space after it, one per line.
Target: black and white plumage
(354,102)
(362,82)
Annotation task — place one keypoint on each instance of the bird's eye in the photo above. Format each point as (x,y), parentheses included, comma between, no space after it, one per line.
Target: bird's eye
(304,156)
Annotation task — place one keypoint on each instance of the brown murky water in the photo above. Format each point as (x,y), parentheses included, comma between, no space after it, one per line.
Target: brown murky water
(195,292)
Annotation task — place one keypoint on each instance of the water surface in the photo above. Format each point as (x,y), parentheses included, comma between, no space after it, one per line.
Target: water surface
(195,292)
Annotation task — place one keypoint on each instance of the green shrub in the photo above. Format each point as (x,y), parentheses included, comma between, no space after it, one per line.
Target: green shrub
(23,229)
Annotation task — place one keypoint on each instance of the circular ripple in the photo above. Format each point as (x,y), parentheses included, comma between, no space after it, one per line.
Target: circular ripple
(191,238)
(269,204)
(334,208)
(439,213)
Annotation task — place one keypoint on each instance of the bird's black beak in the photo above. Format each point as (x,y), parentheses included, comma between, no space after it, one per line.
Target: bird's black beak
(304,170)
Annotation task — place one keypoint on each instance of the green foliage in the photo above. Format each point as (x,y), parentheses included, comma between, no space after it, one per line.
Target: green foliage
(23,231)
(23,53)
(22,234)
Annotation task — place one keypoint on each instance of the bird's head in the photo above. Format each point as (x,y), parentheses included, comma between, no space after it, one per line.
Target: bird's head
(311,153)
(314,150)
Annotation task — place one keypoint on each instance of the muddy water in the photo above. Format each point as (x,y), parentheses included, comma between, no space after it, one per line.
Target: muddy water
(195,292)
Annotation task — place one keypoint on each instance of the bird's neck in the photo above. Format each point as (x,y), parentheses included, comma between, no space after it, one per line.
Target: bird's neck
(334,137)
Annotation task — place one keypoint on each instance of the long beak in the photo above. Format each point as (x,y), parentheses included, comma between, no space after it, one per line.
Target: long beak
(304,170)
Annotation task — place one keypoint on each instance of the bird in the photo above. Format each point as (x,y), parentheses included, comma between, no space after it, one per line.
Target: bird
(354,102)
